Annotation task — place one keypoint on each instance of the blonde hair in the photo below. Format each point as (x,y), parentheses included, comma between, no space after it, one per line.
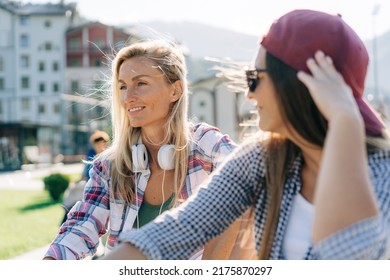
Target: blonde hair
(170,61)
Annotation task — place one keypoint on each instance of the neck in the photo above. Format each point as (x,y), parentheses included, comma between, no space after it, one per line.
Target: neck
(153,140)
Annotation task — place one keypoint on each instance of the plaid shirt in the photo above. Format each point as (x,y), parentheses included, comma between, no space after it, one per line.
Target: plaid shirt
(240,183)
(88,220)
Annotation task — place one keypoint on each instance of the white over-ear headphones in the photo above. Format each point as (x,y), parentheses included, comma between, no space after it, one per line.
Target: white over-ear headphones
(165,157)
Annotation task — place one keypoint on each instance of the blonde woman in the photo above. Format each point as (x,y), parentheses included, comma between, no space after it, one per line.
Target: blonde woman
(157,157)
(319,185)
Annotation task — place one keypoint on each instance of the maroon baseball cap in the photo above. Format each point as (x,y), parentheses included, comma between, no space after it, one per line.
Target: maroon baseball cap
(297,35)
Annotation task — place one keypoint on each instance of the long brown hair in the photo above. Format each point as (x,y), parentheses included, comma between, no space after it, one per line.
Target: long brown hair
(299,110)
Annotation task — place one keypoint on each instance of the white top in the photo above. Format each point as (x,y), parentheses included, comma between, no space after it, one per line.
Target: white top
(297,239)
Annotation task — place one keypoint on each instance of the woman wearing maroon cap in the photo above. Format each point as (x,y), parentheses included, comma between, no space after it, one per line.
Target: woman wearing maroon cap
(318,183)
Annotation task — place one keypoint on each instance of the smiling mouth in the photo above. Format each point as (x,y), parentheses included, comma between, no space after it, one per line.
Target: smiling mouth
(135,109)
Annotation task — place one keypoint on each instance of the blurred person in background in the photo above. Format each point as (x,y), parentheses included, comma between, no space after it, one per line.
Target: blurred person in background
(74,193)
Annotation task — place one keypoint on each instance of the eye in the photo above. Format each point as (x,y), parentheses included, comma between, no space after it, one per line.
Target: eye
(141,83)
(123,87)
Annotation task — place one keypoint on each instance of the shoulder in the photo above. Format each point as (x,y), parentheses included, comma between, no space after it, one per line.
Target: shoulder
(210,139)
(101,166)
(379,161)
(200,129)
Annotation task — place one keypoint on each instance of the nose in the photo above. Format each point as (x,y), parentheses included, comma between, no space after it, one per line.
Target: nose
(249,94)
(128,96)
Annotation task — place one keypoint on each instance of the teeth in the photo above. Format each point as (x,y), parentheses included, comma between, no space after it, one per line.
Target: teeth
(135,109)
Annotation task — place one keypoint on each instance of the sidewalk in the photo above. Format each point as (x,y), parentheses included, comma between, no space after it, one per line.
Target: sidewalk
(36,254)
(31,178)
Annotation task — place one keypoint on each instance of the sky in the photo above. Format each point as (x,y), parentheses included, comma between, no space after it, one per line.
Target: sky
(251,17)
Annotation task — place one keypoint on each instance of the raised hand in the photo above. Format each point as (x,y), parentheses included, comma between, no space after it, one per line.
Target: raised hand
(328,89)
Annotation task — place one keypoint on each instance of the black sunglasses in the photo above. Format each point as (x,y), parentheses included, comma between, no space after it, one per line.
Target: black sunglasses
(252,78)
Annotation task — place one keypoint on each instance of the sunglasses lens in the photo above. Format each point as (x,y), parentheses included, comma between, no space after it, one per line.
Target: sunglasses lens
(252,78)
(252,84)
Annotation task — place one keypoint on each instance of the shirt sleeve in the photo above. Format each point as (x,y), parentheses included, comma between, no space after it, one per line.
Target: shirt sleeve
(369,238)
(215,144)
(222,199)
(79,236)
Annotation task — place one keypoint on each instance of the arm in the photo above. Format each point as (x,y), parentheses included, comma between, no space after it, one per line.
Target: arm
(79,235)
(215,147)
(125,251)
(234,243)
(344,194)
(177,233)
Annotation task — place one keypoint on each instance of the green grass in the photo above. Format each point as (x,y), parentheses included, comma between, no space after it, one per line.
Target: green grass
(28,220)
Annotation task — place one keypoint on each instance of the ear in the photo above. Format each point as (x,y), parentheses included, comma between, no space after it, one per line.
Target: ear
(177,91)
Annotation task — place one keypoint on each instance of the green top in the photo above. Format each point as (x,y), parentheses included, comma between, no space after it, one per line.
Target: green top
(147,212)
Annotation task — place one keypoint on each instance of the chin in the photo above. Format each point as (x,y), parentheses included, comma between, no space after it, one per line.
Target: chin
(135,124)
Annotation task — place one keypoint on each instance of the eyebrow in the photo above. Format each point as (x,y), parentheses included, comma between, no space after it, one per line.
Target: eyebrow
(135,78)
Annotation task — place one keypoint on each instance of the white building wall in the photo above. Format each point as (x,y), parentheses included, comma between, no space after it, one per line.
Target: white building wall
(47,46)
(7,55)
(226,111)
(212,101)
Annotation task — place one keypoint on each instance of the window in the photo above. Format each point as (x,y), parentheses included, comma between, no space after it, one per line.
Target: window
(55,66)
(74,86)
(24,61)
(24,41)
(25,82)
(119,44)
(48,46)
(73,108)
(1,64)
(2,86)
(41,66)
(74,62)
(41,108)
(98,43)
(47,23)
(25,103)
(56,108)
(56,87)
(74,44)
(24,20)
(97,62)
(42,87)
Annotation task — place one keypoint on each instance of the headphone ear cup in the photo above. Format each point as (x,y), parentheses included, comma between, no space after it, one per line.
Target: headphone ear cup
(166,157)
(140,157)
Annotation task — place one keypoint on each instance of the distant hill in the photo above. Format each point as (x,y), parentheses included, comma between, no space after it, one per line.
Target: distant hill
(207,41)
(204,40)
(201,42)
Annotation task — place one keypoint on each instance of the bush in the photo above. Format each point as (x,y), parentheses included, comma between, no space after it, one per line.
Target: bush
(56,184)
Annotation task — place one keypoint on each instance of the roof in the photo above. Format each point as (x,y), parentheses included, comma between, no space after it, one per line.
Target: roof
(18,8)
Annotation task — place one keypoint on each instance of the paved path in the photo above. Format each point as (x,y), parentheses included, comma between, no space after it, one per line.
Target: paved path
(30,178)
(36,254)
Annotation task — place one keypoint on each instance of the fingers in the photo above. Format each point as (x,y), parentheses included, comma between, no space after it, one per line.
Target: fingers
(321,68)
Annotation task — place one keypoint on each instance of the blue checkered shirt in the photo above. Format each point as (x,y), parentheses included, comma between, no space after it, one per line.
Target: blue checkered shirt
(232,190)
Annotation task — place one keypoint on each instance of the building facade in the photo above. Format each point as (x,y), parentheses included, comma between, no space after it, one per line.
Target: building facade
(89,50)
(52,74)
(32,78)
(213,101)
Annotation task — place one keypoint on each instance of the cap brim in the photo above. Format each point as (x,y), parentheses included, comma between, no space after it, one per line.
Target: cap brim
(372,121)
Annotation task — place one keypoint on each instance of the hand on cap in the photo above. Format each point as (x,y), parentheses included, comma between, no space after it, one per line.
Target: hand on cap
(328,89)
